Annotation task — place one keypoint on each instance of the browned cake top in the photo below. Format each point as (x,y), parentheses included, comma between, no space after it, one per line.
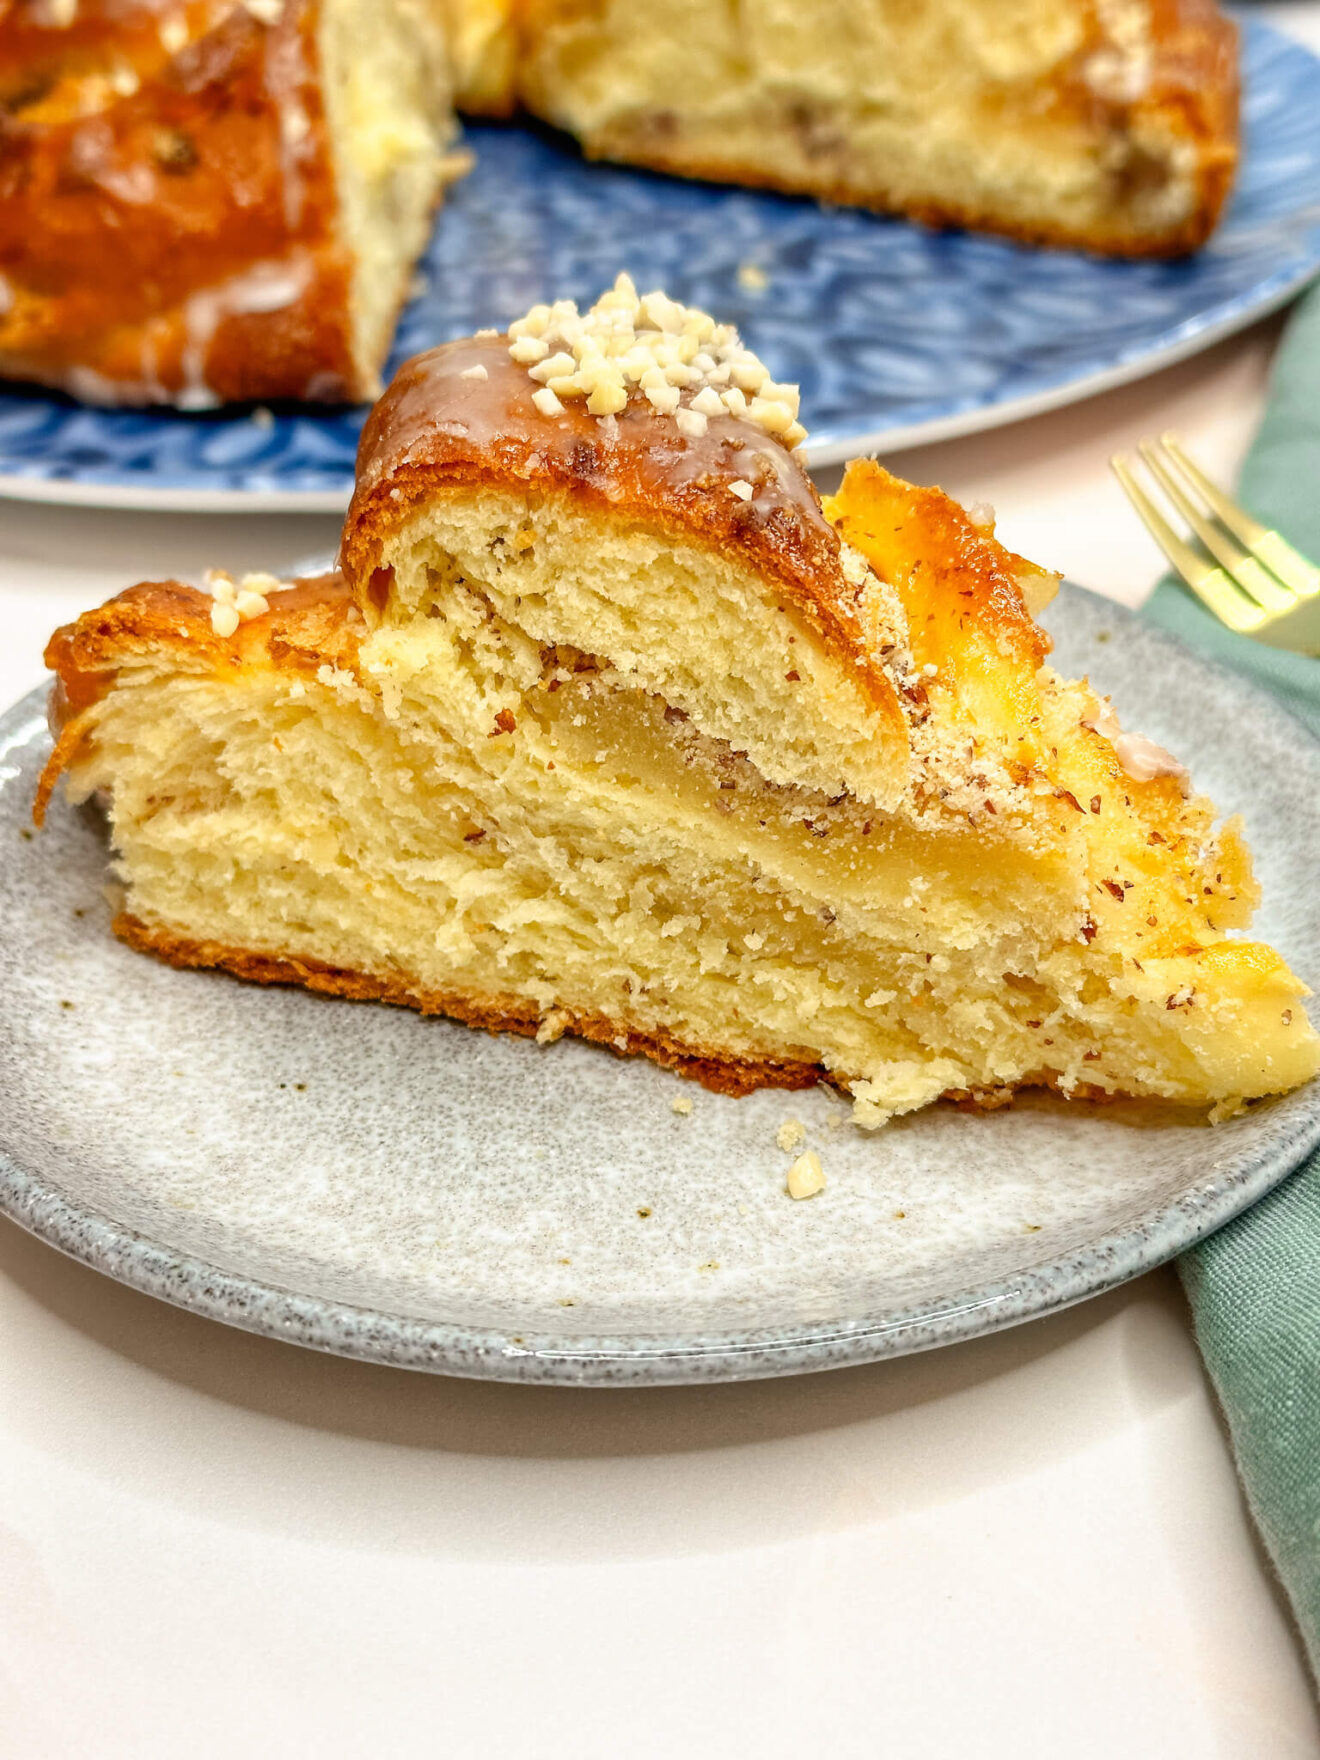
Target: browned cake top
(309,623)
(462,416)
(167,205)
(442,418)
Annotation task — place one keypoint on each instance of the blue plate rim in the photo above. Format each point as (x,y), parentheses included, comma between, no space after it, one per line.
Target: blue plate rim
(68,492)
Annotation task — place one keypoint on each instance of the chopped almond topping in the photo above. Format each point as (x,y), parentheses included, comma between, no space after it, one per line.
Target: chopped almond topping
(664,349)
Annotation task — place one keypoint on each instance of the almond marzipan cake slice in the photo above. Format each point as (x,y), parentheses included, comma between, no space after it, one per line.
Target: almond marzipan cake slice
(607,727)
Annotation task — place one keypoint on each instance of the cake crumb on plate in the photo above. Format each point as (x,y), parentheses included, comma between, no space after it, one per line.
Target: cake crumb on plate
(791,1134)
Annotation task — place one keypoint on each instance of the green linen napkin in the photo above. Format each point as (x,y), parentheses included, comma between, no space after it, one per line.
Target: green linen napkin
(1254,1287)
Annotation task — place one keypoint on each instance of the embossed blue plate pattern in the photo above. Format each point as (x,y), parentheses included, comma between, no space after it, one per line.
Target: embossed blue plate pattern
(896,335)
(357,1179)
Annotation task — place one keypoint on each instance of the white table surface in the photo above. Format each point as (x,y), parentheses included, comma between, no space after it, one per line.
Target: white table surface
(1031,1545)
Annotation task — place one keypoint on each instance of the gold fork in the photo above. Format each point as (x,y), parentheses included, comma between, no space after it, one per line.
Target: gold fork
(1249,577)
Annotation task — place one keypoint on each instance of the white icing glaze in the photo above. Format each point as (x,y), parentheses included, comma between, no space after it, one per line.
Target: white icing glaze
(173,32)
(153,390)
(323,387)
(286,78)
(134,184)
(92,154)
(265,287)
(89,386)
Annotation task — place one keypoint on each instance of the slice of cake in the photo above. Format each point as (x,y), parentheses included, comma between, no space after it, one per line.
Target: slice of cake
(606,727)
(213,202)
(1107,124)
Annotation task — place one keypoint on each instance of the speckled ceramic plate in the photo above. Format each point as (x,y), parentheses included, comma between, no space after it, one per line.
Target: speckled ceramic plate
(897,335)
(357,1179)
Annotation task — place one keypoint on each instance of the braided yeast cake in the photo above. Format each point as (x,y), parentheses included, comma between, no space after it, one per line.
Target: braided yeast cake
(608,727)
(213,200)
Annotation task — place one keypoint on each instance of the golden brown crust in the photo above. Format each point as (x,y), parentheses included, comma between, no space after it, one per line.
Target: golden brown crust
(496,1014)
(715,1071)
(311,624)
(964,596)
(179,242)
(435,431)
(1192,92)
(1215,183)
(930,549)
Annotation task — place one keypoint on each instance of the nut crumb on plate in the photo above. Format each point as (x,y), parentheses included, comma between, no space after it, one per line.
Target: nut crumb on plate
(806,1177)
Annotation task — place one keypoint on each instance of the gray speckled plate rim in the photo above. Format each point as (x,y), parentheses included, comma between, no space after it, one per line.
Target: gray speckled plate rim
(317,1323)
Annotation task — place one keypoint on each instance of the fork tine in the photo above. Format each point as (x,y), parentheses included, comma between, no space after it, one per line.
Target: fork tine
(1236,518)
(1275,552)
(1247,572)
(1215,589)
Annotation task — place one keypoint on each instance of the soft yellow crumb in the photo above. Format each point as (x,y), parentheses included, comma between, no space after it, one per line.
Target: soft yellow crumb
(682,1105)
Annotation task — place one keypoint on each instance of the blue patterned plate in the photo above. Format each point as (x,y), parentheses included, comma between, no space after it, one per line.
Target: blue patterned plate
(897,335)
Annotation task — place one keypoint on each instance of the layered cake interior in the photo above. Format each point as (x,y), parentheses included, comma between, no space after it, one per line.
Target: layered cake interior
(1109,124)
